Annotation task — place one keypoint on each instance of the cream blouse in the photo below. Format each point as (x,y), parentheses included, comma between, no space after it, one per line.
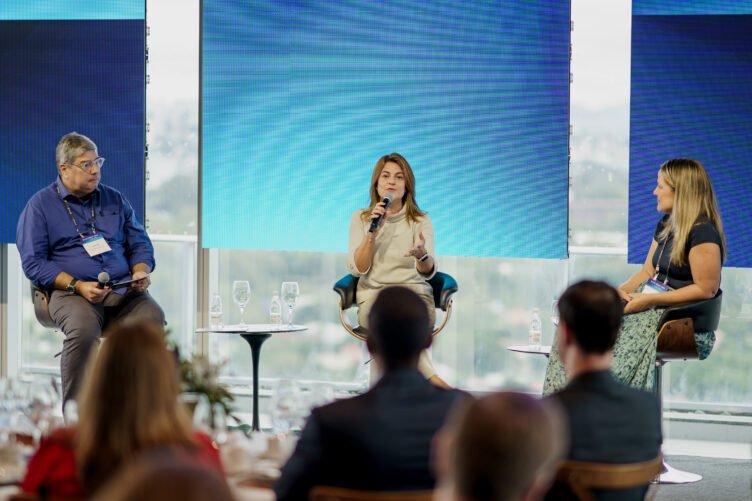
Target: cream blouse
(389,266)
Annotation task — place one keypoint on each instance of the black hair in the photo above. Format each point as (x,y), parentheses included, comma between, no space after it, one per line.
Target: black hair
(593,311)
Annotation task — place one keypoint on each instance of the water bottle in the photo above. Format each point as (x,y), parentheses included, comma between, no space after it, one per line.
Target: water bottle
(275,310)
(536,331)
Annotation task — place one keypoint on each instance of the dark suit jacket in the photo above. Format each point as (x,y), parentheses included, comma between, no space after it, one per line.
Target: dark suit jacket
(379,440)
(610,422)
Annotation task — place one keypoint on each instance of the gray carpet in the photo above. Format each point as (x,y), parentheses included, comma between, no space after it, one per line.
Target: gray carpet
(722,479)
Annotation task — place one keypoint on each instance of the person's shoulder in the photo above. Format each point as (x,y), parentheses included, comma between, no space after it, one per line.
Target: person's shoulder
(704,231)
(204,441)
(357,214)
(424,218)
(60,438)
(638,395)
(704,224)
(108,190)
(43,195)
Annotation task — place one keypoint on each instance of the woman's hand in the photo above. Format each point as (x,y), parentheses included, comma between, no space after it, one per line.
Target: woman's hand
(624,295)
(638,302)
(379,210)
(420,248)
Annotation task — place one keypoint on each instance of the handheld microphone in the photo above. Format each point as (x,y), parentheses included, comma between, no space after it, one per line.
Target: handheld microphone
(103,279)
(376,222)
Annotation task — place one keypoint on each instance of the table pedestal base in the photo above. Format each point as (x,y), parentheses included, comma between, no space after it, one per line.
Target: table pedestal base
(670,475)
(255,341)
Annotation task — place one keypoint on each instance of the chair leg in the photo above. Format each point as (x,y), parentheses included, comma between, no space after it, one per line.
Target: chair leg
(669,474)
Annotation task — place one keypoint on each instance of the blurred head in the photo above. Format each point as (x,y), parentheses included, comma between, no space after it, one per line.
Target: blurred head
(129,401)
(399,328)
(502,447)
(591,314)
(77,164)
(685,192)
(165,475)
(393,173)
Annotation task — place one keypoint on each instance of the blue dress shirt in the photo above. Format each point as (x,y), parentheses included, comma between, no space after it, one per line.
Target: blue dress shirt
(49,244)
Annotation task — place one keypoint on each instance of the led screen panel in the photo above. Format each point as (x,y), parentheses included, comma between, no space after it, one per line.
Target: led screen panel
(692,97)
(299,100)
(70,66)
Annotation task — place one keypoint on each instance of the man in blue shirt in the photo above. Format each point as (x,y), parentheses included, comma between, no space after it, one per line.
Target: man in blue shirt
(71,231)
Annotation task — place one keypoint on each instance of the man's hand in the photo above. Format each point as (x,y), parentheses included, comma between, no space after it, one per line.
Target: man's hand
(143,281)
(92,293)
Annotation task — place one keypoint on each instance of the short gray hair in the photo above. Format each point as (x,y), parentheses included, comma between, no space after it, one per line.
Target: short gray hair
(71,146)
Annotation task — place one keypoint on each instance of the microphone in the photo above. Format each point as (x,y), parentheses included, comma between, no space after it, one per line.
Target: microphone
(103,279)
(376,222)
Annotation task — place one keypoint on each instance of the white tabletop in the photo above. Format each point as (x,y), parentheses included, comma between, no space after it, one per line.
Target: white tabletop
(254,329)
(536,350)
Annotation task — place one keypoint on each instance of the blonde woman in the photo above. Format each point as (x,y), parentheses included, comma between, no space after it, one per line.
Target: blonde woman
(128,405)
(683,265)
(398,249)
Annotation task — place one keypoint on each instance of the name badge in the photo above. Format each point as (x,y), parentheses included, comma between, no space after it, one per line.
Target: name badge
(96,245)
(653,286)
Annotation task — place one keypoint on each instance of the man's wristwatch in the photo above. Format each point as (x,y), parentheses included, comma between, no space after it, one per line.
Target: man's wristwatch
(72,286)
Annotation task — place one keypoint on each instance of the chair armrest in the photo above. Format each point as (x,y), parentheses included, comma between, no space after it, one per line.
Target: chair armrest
(444,286)
(346,287)
(705,314)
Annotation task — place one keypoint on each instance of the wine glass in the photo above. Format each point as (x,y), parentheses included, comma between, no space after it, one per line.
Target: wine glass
(215,311)
(241,294)
(555,312)
(290,291)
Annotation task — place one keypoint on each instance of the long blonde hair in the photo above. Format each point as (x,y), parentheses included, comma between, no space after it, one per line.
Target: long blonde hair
(694,201)
(412,210)
(129,403)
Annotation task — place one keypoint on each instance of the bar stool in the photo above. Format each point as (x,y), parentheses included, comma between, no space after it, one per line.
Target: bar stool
(676,341)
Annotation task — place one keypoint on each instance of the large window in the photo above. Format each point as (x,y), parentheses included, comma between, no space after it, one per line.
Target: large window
(492,308)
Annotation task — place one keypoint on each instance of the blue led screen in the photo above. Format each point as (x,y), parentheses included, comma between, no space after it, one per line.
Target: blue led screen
(299,100)
(69,75)
(692,97)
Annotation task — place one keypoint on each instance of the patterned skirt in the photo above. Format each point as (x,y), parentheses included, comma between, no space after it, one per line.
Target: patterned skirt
(634,353)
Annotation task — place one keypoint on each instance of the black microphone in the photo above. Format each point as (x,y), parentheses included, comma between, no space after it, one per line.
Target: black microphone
(376,222)
(103,279)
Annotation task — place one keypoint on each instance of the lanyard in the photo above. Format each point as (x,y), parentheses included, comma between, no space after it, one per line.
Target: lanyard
(658,264)
(73,218)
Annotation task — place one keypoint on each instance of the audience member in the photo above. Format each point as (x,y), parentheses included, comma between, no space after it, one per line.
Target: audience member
(502,447)
(129,404)
(381,440)
(165,475)
(609,421)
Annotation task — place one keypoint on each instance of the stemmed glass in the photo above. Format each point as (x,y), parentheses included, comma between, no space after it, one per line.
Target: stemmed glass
(555,312)
(241,294)
(290,291)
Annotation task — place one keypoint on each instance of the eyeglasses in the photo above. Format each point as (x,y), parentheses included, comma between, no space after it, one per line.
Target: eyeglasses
(89,164)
